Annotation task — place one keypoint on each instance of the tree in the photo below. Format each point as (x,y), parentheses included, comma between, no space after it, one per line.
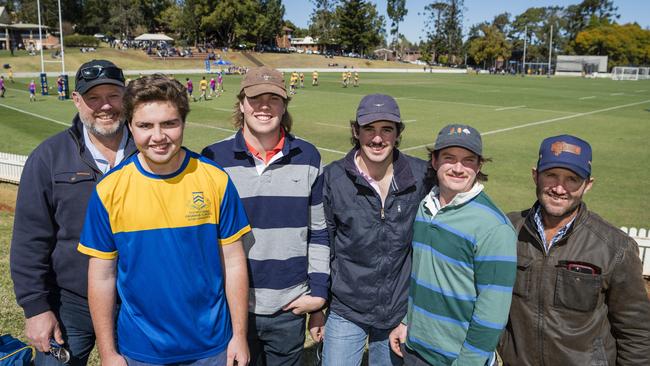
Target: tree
(323,22)
(625,45)
(538,22)
(125,16)
(360,27)
(580,16)
(396,10)
(490,46)
(444,29)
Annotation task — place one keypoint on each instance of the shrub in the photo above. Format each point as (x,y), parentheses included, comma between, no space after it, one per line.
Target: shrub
(78,40)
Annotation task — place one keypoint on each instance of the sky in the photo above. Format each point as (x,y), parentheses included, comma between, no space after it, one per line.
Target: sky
(476,11)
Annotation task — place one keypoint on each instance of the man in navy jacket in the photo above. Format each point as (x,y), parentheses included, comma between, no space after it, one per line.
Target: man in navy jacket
(370,197)
(50,277)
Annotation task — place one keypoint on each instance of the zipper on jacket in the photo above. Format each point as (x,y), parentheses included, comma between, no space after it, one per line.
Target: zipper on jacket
(383,216)
(540,311)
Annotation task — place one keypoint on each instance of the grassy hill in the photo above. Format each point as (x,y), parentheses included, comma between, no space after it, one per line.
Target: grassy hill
(133,60)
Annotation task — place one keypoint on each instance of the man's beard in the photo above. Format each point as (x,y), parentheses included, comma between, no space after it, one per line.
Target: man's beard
(104,132)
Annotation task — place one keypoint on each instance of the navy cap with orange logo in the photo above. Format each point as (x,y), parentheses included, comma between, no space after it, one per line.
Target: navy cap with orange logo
(565,151)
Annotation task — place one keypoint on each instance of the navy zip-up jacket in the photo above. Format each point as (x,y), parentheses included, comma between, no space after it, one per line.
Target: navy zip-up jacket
(370,244)
(56,183)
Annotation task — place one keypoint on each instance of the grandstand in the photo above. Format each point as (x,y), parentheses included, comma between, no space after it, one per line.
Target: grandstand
(581,64)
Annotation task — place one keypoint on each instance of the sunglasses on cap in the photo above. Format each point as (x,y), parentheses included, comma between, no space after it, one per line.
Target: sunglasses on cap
(97,71)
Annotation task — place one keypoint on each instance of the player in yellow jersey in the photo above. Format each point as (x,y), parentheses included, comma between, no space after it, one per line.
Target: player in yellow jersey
(203,86)
(356,79)
(302,80)
(314,78)
(344,79)
(292,83)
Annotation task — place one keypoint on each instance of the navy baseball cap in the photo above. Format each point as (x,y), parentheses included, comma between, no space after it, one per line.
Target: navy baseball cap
(377,107)
(97,72)
(464,136)
(565,151)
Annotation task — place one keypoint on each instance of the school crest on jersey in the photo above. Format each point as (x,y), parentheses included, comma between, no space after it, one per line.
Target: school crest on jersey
(198,207)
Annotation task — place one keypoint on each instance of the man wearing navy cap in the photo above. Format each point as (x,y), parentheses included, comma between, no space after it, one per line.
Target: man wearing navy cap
(370,197)
(49,275)
(464,262)
(579,297)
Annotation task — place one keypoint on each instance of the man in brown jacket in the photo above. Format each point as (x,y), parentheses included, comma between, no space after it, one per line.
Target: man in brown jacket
(579,296)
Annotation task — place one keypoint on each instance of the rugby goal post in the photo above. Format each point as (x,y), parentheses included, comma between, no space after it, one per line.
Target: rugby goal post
(625,73)
(644,73)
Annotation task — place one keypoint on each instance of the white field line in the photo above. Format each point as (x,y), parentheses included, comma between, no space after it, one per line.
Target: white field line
(616,93)
(35,115)
(332,125)
(449,102)
(221,109)
(211,127)
(543,122)
(550,110)
(589,97)
(641,91)
(507,108)
(410,120)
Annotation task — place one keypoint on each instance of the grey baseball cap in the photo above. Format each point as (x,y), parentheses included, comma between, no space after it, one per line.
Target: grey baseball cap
(377,107)
(464,136)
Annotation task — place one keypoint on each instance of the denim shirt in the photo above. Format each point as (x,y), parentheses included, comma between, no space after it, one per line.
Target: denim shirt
(539,225)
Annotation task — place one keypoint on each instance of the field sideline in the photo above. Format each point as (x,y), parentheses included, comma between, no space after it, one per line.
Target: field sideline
(513,113)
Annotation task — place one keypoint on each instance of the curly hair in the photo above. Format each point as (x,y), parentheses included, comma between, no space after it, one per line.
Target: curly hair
(155,88)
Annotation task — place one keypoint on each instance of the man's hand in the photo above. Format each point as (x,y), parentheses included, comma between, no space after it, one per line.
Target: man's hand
(113,359)
(238,352)
(305,304)
(317,326)
(397,337)
(40,328)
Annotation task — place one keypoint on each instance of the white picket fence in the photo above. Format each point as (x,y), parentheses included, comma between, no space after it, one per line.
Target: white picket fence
(11,166)
(642,237)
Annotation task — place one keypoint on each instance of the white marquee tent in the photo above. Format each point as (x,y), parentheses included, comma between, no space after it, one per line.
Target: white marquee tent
(153,37)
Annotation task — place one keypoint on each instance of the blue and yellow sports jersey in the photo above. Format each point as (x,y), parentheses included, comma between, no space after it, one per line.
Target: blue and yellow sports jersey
(165,232)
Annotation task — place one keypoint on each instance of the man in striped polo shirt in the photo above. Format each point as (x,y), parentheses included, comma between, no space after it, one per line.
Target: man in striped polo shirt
(464,262)
(279,178)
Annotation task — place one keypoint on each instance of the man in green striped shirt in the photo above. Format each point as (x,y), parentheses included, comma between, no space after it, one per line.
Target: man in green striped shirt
(464,262)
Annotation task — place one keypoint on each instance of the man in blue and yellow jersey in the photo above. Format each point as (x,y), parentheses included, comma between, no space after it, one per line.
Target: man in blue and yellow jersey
(163,230)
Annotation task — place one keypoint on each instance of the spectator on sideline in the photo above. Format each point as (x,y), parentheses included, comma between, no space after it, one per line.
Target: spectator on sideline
(579,298)
(280,181)
(371,197)
(49,275)
(464,262)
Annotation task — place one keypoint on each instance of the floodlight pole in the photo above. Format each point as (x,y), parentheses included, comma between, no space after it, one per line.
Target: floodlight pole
(523,71)
(550,51)
(61,39)
(40,34)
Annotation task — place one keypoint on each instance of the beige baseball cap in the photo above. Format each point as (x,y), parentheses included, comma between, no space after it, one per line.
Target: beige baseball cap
(262,80)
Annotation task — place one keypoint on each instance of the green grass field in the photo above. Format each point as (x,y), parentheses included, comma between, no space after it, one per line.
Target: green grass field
(513,113)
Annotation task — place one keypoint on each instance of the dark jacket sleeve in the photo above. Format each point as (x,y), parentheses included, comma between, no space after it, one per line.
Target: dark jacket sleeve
(327,206)
(34,237)
(629,308)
